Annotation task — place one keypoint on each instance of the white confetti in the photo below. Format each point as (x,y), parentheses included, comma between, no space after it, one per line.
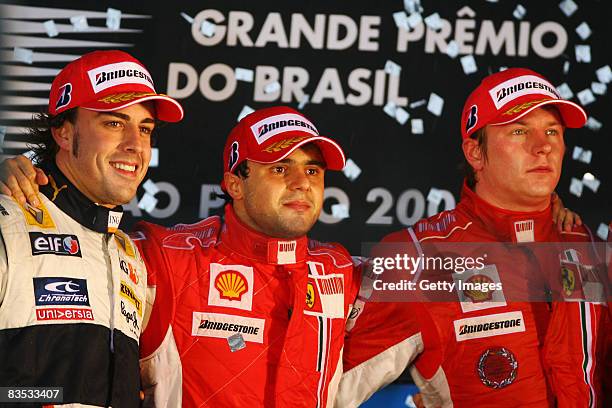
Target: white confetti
(417,126)
(604,74)
(565,91)
(150,187)
(154,162)
(469,64)
(23,55)
(390,108)
(244,112)
(434,22)
(412,6)
(392,68)
(435,104)
(452,49)
(586,96)
(351,170)
(566,67)
(593,124)
(519,12)
(582,155)
(591,182)
(401,20)
(598,88)
(583,53)
(434,196)
(576,187)
(305,99)
(583,30)
(414,20)
(113,18)
(272,87)
(568,7)
(401,115)
(207,28)
(188,18)
(602,231)
(418,103)
(79,23)
(147,203)
(243,74)
(340,211)
(51,28)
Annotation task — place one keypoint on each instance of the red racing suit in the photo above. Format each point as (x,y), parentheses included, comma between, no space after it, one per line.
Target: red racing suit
(499,354)
(241,319)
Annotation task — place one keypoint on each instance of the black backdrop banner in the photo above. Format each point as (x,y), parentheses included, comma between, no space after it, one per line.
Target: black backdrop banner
(386,79)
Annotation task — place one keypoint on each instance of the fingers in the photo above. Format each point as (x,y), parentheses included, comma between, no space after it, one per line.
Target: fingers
(18,175)
(4,189)
(41,178)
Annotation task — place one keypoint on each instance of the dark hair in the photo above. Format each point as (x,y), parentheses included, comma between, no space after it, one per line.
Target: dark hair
(242,171)
(470,176)
(39,134)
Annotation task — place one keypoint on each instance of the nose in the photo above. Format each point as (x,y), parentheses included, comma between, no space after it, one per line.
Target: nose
(298,180)
(133,140)
(540,143)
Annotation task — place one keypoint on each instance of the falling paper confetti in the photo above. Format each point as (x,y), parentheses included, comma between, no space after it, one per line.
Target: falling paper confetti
(244,112)
(565,91)
(79,23)
(566,67)
(434,22)
(568,7)
(23,55)
(392,68)
(519,12)
(582,155)
(401,115)
(50,28)
(340,211)
(418,103)
(436,104)
(390,108)
(412,6)
(243,74)
(401,20)
(583,30)
(585,97)
(576,187)
(583,53)
(593,124)
(598,88)
(414,20)
(188,18)
(147,203)
(602,231)
(591,182)
(469,64)
(351,170)
(434,196)
(452,50)
(150,187)
(305,99)
(272,87)
(113,18)
(604,74)
(154,162)
(207,28)
(417,126)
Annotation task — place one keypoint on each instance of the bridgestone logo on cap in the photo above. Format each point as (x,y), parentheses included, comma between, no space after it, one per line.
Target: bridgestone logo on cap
(520,86)
(120,73)
(287,122)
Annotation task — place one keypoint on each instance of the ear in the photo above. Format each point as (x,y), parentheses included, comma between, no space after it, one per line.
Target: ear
(234,185)
(63,135)
(473,153)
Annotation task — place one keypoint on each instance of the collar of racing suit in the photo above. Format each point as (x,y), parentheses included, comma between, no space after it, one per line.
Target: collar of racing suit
(74,203)
(507,225)
(259,247)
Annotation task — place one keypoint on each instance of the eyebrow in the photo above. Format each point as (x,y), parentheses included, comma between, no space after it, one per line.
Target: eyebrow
(126,117)
(308,163)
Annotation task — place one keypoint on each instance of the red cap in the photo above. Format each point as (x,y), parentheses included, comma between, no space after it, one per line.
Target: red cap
(271,134)
(107,81)
(505,96)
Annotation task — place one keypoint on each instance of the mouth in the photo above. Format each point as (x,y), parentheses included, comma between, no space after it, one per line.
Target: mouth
(128,169)
(298,205)
(541,170)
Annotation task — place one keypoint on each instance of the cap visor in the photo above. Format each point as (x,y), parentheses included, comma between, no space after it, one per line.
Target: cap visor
(167,109)
(331,151)
(572,114)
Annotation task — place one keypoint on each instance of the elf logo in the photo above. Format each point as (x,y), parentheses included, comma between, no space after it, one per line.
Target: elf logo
(55,244)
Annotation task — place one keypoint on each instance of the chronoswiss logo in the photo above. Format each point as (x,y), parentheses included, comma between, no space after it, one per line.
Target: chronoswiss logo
(231,285)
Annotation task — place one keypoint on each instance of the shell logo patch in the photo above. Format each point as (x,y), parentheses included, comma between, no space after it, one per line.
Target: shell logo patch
(231,285)
(479,295)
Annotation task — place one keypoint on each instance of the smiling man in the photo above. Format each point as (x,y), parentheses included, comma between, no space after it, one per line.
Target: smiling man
(72,286)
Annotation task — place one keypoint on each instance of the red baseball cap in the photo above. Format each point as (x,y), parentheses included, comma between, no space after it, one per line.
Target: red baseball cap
(108,81)
(508,95)
(271,134)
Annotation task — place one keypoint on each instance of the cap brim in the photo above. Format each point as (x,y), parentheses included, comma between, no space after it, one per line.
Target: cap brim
(331,151)
(167,109)
(572,114)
